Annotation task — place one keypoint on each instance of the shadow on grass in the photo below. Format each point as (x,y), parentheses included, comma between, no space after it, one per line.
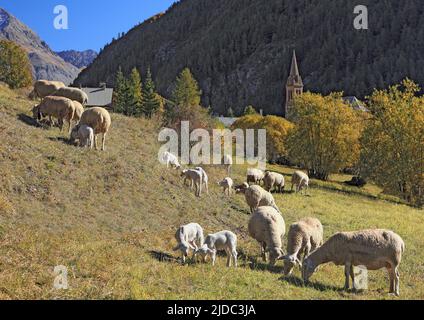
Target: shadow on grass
(28,120)
(298,282)
(164,257)
(66,141)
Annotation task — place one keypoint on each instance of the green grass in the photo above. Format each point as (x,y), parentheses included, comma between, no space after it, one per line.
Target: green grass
(111,217)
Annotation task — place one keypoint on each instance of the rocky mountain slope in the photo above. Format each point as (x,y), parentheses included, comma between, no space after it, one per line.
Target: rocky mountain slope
(46,64)
(79,59)
(240,50)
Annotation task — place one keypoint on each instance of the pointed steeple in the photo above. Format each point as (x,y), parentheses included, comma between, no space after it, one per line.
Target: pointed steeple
(294,79)
(294,86)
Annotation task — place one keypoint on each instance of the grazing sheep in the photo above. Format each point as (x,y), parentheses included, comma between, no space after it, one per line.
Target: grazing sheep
(224,240)
(268,228)
(55,107)
(44,88)
(227,160)
(242,188)
(189,237)
(255,176)
(374,249)
(300,180)
(79,110)
(170,160)
(205,178)
(84,134)
(74,94)
(274,180)
(98,119)
(304,237)
(227,184)
(195,178)
(257,197)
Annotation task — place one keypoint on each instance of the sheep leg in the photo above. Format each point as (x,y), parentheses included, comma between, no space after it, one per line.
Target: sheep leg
(95,142)
(347,276)
(104,142)
(397,282)
(263,252)
(234,255)
(392,280)
(229,257)
(352,275)
(213,258)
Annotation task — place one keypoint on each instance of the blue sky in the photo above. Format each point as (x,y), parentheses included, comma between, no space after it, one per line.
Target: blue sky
(92,23)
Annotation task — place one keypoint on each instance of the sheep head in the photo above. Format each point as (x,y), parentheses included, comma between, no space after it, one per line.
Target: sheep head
(290,261)
(36,114)
(308,269)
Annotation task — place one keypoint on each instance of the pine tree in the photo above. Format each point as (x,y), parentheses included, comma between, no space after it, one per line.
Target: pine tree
(15,68)
(186,92)
(151,103)
(135,107)
(120,93)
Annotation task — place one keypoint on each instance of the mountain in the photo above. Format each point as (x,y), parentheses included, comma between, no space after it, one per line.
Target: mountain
(46,64)
(79,59)
(240,50)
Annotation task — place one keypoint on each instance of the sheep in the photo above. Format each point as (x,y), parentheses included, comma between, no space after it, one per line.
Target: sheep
(44,88)
(257,197)
(189,236)
(170,160)
(205,178)
(224,240)
(255,176)
(195,178)
(227,184)
(74,94)
(227,160)
(98,119)
(304,237)
(273,179)
(268,228)
(300,180)
(84,134)
(374,249)
(79,110)
(57,107)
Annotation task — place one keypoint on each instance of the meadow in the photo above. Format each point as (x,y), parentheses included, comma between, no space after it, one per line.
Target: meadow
(110,218)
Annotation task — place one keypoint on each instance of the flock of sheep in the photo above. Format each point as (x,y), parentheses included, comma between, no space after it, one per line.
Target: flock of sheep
(374,249)
(66,104)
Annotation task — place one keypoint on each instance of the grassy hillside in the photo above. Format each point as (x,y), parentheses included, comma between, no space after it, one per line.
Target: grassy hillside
(111,217)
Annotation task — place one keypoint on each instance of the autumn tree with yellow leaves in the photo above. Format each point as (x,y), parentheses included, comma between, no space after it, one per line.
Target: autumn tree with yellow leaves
(393,141)
(325,138)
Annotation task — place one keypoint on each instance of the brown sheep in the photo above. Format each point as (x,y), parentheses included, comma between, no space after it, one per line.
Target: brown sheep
(44,88)
(98,119)
(55,107)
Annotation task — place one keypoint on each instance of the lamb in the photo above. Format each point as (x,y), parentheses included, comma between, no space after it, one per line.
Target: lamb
(304,237)
(57,107)
(98,119)
(227,160)
(170,160)
(268,228)
(189,236)
(273,179)
(224,240)
(300,180)
(195,178)
(255,176)
(74,94)
(84,134)
(44,88)
(257,197)
(227,184)
(205,178)
(374,249)
(79,110)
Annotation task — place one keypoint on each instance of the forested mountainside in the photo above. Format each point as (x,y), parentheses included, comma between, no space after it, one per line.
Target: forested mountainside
(45,63)
(240,50)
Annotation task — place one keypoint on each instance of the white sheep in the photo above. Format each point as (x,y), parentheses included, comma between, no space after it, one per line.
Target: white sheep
(84,134)
(74,94)
(227,160)
(205,178)
(257,197)
(274,180)
(170,160)
(268,228)
(224,240)
(79,110)
(304,237)
(227,184)
(55,107)
(189,236)
(300,180)
(255,176)
(373,249)
(44,88)
(195,178)
(98,119)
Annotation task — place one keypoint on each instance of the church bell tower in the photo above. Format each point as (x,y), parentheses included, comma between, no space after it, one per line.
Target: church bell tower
(294,87)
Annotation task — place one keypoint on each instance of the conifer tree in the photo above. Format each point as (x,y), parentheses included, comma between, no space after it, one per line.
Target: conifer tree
(151,102)
(120,94)
(186,92)
(135,107)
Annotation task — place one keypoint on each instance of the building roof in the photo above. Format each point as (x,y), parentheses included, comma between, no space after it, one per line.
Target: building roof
(294,78)
(99,97)
(227,121)
(355,103)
